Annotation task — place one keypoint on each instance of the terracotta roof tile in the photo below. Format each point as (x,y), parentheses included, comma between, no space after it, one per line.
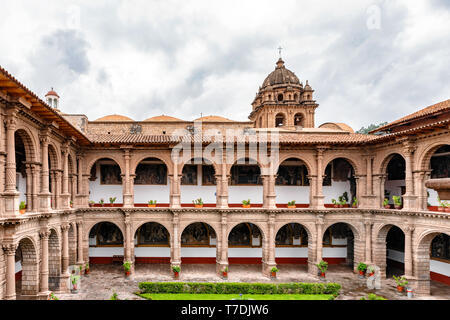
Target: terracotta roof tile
(435,108)
(114,117)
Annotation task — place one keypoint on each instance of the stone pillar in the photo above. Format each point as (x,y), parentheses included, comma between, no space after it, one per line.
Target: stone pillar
(318,196)
(409,197)
(45,195)
(35,186)
(421,190)
(369,181)
(29,197)
(65,196)
(44,234)
(408,252)
(175,194)
(269,196)
(368,232)
(10,251)
(11,195)
(126,189)
(382,181)
(80,260)
(224,244)
(270,263)
(319,230)
(176,259)
(64,284)
(224,187)
(312,190)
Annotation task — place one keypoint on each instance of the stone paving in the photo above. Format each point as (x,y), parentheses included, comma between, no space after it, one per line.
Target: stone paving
(103,280)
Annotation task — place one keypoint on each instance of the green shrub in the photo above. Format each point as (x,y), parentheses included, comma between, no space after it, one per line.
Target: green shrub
(237,288)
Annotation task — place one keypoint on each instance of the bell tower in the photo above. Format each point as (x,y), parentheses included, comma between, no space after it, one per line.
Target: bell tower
(283,102)
(52,99)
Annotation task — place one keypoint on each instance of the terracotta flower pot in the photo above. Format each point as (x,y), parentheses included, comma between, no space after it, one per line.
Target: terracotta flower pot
(246,206)
(273,274)
(354,206)
(336,206)
(176,275)
(22,211)
(398,207)
(371,274)
(225,274)
(322,274)
(447,209)
(441,209)
(198,206)
(387,206)
(292,207)
(127,273)
(151,205)
(400,288)
(86,271)
(361,272)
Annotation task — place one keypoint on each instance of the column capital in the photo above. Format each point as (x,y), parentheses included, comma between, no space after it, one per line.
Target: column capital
(65,227)
(11,121)
(80,223)
(44,234)
(410,228)
(10,248)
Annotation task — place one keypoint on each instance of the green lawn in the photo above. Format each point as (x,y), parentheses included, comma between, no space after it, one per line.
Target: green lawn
(199,296)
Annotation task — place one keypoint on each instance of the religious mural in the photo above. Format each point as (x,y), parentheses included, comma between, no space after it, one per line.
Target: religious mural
(106,234)
(292,176)
(110,174)
(151,174)
(153,234)
(197,234)
(208,175)
(440,247)
(242,234)
(189,175)
(245,175)
(289,232)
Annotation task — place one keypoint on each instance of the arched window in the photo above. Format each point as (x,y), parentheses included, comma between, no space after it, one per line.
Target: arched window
(280,97)
(279,120)
(299,120)
(295,97)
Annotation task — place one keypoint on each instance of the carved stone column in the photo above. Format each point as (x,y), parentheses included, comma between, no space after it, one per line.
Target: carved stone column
(175,194)
(408,252)
(176,259)
(223,198)
(35,186)
(80,244)
(421,190)
(224,245)
(44,234)
(11,195)
(319,230)
(10,251)
(318,196)
(368,232)
(128,242)
(409,197)
(64,284)
(270,246)
(269,195)
(126,189)
(80,193)
(28,194)
(58,181)
(45,194)
(65,196)
(312,190)
(382,181)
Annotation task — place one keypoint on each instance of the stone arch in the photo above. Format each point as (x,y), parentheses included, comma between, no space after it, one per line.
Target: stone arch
(163,223)
(112,157)
(54,156)
(89,227)
(184,227)
(421,258)
(217,169)
(424,158)
(262,230)
(353,162)
(246,157)
(31,151)
(138,229)
(310,236)
(142,157)
(357,246)
(294,155)
(30,266)
(380,244)
(385,162)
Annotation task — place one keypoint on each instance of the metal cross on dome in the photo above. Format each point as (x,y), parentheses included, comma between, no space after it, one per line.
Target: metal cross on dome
(279,50)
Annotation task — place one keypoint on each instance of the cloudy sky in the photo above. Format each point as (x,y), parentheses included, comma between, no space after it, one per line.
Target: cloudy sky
(368,61)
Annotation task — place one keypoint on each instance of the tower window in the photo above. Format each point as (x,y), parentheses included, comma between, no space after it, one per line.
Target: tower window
(280,97)
(279,120)
(295,97)
(298,119)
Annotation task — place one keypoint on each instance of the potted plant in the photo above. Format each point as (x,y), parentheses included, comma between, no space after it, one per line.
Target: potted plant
(114,296)
(91,203)
(74,280)
(22,207)
(246,203)
(111,201)
(101,202)
(80,268)
(323,267)
(447,206)
(52,296)
(127,268)
(176,271)
(198,203)
(370,271)
(225,272)
(355,203)
(442,205)
(397,202)
(401,283)
(273,272)
(152,204)
(71,203)
(334,202)
(291,204)
(362,267)
(386,204)
(86,268)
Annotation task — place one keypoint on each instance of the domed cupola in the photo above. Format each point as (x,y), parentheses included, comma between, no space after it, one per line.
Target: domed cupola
(52,99)
(283,102)
(280,76)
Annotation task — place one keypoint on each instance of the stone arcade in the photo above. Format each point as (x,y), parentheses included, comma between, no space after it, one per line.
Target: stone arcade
(58,163)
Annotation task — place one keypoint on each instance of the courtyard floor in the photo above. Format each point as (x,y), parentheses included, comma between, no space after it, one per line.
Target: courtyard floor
(103,280)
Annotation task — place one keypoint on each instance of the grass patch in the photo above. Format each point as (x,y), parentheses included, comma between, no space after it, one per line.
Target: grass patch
(202,296)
